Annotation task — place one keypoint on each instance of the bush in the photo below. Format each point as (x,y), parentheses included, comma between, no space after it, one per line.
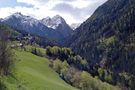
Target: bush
(57,66)
(2,85)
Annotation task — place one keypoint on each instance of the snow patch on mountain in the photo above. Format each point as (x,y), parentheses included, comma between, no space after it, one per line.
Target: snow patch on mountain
(75,25)
(53,22)
(23,19)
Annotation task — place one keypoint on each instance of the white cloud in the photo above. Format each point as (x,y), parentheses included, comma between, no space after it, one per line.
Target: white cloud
(8,11)
(29,2)
(4,12)
(43,8)
(81,3)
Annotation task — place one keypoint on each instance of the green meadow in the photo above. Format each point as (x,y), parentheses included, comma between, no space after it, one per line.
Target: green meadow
(32,72)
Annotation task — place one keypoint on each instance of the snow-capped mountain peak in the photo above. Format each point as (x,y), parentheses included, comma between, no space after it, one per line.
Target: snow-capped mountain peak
(57,23)
(58,28)
(17,14)
(53,22)
(75,25)
(22,18)
(47,21)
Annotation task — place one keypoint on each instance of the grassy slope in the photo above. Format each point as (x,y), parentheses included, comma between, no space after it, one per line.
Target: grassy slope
(32,73)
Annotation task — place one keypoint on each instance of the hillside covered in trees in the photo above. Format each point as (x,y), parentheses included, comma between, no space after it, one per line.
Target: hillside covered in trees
(98,55)
(107,39)
(21,66)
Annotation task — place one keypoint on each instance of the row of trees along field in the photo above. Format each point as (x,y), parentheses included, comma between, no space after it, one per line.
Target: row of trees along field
(74,70)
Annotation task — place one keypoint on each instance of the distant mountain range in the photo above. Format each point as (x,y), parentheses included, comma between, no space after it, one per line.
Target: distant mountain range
(74,26)
(55,29)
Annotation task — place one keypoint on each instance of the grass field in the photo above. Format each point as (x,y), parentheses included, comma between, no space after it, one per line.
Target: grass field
(33,73)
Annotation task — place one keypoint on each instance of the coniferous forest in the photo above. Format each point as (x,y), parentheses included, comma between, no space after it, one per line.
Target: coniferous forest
(48,54)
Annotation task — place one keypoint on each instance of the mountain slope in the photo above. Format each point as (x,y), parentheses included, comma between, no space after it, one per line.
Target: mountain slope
(59,24)
(32,26)
(16,35)
(107,37)
(32,73)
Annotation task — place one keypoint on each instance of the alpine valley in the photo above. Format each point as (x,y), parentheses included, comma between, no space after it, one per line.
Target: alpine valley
(49,54)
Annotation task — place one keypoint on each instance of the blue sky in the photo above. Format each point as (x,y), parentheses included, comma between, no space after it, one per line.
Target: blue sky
(12,3)
(73,11)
